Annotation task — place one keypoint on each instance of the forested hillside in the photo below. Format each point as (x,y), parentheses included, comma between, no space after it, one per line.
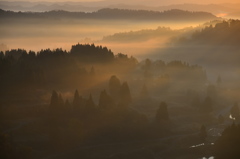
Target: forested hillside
(114,14)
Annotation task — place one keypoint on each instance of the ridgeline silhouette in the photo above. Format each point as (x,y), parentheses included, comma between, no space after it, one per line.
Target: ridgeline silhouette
(225,33)
(115,14)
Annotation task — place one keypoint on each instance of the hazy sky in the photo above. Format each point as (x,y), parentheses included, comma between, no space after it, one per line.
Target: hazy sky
(150,2)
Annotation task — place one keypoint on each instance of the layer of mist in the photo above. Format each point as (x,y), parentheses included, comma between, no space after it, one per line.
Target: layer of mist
(119,83)
(61,29)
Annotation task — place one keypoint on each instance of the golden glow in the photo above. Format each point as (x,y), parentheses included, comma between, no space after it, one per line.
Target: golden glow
(221,14)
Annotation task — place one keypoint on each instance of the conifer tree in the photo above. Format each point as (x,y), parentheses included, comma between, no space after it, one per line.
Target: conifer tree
(105,101)
(60,101)
(162,113)
(54,101)
(76,99)
(90,105)
(114,87)
(92,71)
(125,95)
(67,105)
(227,145)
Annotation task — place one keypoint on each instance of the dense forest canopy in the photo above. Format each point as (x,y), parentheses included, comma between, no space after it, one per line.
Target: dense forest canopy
(105,108)
(223,33)
(43,66)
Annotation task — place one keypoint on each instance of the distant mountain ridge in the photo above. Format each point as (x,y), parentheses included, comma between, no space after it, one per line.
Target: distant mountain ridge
(113,14)
(216,9)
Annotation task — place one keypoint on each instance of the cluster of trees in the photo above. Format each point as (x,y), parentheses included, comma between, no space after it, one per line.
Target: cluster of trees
(223,33)
(59,68)
(207,105)
(92,53)
(162,113)
(174,69)
(210,101)
(141,35)
(50,68)
(174,74)
(227,145)
(107,13)
(118,98)
(81,52)
(111,119)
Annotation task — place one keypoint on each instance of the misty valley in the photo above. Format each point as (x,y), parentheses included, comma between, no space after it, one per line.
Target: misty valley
(119,84)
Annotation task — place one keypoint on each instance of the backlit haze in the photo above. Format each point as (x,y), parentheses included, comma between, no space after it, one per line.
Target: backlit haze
(120,79)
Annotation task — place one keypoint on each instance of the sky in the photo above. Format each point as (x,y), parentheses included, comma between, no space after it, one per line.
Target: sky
(158,2)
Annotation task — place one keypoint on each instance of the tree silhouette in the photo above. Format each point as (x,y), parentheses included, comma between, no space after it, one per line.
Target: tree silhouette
(114,87)
(125,95)
(203,133)
(207,105)
(227,145)
(105,101)
(235,111)
(223,33)
(90,105)
(91,53)
(67,105)
(148,64)
(211,91)
(76,98)
(60,101)
(77,101)
(1,54)
(54,102)
(162,113)
(92,71)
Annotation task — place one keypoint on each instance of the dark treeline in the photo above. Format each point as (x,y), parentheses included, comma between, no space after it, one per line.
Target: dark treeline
(161,32)
(46,66)
(174,14)
(142,35)
(85,66)
(81,52)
